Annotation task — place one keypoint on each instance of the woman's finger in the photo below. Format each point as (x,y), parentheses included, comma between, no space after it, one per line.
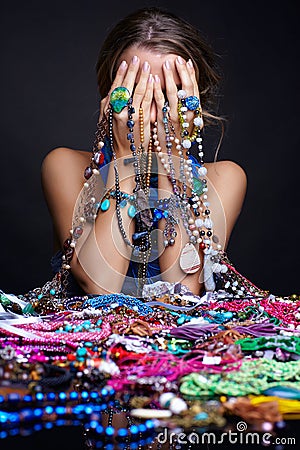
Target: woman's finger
(185,77)
(119,78)
(171,90)
(148,97)
(191,71)
(118,81)
(131,74)
(158,97)
(141,87)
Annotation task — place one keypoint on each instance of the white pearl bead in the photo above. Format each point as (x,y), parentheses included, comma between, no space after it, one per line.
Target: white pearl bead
(166,166)
(199,223)
(163,160)
(198,122)
(158,148)
(186,143)
(199,240)
(202,171)
(72,244)
(177,405)
(86,185)
(191,221)
(181,94)
(196,233)
(165,398)
(81,219)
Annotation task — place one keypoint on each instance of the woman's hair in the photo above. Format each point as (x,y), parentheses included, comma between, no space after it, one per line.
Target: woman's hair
(159,30)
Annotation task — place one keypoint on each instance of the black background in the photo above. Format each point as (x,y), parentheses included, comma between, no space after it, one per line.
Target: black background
(49,99)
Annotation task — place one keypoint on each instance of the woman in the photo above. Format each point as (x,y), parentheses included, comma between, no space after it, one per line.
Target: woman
(166,73)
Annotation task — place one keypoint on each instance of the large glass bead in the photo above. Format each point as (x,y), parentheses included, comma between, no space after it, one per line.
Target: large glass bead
(131,211)
(119,98)
(88,173)
(192,102)
(105,205)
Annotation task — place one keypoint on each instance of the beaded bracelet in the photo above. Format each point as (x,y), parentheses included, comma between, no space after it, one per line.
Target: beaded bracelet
(290,344)
(16,399)
(111,301)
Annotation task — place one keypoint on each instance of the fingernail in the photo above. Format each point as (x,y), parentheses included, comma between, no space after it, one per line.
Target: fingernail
(157,79)
(180,60)
(150,79)
(123,64)
(190,63)
(167,65)
(135,60)
(146,66)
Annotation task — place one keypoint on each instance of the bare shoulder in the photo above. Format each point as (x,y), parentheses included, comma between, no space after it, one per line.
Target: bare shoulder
(62,180)
(59,156)
(224,171)
(227,183)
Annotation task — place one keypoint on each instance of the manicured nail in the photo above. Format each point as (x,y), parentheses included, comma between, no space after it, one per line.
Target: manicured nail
(167,65)
(123,64)
(150,79)
(135,60)
(180,60)
(146,66)
(190,63)
(157,79)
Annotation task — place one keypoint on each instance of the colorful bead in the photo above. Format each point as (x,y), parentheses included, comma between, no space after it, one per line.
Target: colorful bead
(119,98)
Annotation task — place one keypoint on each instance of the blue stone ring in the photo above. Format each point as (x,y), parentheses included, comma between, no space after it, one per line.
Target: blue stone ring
(119,99)
(192,102)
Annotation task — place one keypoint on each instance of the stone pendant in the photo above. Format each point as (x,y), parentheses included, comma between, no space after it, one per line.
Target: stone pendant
(189,259)
(209,282)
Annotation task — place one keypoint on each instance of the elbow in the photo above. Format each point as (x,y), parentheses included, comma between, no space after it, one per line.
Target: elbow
(84,280)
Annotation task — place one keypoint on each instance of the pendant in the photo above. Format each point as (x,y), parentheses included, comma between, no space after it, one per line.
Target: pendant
(209,282)
(189,259)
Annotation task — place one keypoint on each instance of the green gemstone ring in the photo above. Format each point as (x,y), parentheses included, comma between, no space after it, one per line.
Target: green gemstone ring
(119,99)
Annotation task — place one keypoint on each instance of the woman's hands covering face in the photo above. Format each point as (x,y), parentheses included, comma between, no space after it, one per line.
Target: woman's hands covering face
(151,97)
